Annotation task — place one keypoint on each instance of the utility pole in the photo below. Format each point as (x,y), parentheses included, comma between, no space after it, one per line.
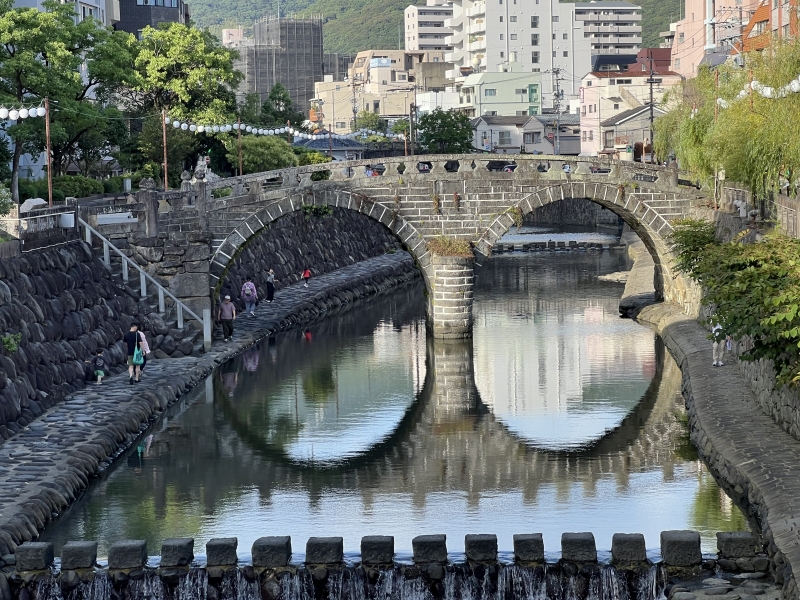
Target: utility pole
(239,131)
(557,103)
(652,81)
(164,134)
(50,152)
(411,115)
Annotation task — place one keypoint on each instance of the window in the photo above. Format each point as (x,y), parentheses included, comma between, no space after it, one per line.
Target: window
(588,84)
(490,92)
(501,19)
(566,53)
(502,54)
(677,63)
(534,39)
(583,111)
(340,124)
(591,135)
(554,36)
(535,21)
(513,36)
(681,37)
(565,37)
(376,106)
(501,36)
(583,136)
(520,91)
(527,138)
(554,53)
(491,113)
(512,18)
(616,105)
(504,138)
(521,113)
(555,18)
(535,57)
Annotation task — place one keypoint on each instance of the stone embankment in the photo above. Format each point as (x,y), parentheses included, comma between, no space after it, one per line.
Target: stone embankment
(269,573)
(48,463)
(756,461)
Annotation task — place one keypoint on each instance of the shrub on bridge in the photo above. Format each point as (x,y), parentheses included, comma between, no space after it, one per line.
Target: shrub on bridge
(754,290)
(449,246)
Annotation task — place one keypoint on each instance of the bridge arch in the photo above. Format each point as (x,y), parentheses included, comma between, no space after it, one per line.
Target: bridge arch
(293,201)
(629,204)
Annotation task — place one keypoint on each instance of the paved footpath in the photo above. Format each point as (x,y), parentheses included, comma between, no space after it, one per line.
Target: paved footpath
(744,446)
(50,462)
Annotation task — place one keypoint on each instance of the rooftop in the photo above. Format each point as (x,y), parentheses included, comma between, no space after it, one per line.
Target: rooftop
(609,4)
(631,113)
(519,120)
(568,119)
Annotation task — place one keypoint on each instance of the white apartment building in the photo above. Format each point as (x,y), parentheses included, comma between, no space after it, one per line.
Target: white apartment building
(105,11)
(544,36)
(512,92)
(425,28)
(611,27)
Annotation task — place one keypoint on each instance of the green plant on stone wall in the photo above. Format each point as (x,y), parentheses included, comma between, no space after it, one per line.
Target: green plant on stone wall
(445,245)
(437,204)
(515,212)
(316,211)
(11,342)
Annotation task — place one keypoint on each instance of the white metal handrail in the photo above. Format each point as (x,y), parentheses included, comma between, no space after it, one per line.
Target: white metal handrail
(144,277)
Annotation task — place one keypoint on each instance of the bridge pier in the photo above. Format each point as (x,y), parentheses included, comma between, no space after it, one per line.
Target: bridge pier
(450,297)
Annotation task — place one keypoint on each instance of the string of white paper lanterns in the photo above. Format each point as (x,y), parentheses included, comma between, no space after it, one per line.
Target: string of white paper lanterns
(765,91)
(226,128)
(21,112)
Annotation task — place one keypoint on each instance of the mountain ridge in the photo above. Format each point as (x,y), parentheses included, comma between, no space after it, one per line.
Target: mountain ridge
(374,24)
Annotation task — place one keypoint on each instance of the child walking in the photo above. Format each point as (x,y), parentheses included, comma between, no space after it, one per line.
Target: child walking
(98,366)
(306,276)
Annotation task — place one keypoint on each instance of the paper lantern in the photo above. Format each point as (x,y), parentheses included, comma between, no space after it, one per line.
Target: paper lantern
(184,127)
(192,128)
(13,114)
(176,124)
(23,113)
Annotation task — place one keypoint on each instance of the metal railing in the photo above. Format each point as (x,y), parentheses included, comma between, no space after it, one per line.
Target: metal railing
(144,277)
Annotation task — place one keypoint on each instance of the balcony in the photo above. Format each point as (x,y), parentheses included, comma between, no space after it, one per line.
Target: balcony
(597,19)
(476,27)
(453,22)
(477,9)
(602,28)
(477,45)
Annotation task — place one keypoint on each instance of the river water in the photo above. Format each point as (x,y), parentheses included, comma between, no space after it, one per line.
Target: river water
(558,416)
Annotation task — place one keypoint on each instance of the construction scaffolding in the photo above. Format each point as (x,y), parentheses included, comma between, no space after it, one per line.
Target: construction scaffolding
(286,51)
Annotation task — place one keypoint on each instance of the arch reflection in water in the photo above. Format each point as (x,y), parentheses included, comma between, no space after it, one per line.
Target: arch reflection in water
(436,461)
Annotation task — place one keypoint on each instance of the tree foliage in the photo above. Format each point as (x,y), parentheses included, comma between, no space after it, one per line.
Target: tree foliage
(261,153)
(445,132)
(754,290)
(756,140)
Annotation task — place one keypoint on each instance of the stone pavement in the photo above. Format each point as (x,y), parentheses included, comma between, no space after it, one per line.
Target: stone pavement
(49,463)
(758,463)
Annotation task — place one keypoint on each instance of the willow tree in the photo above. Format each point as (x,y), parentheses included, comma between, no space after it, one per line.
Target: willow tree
(755,139)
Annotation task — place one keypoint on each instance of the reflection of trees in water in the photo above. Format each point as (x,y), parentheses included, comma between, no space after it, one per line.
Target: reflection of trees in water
(319,384)
(713,510)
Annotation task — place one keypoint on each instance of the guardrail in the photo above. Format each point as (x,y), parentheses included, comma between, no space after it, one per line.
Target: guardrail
(144,278)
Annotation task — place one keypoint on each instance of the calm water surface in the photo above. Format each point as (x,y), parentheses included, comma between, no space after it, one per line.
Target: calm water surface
(558,416)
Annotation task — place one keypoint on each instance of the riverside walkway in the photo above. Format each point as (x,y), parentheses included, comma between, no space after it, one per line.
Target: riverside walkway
(754,458)
(48,464)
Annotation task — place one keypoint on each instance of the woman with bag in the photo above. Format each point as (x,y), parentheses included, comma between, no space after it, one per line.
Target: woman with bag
(135,357)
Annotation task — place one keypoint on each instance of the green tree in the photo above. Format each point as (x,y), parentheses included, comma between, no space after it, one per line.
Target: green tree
(369,120)
(249,111)
(445,132)
(261,153)
(401,126)
(6,204)
(41,56)
(312,157)
(279,109)
(182,147)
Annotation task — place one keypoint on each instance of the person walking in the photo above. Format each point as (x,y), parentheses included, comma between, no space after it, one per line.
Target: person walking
(718,347)
(98,366)
(250,297)
(227,315)
(306,275)
(270,285)
(145,351)
(135,358)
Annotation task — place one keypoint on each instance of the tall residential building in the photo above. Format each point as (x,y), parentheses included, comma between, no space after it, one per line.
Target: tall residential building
(424,25)
(135,15)
(284,50)
(708,32)
(547,36)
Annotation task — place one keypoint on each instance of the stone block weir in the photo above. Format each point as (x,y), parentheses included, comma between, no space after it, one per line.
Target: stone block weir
(502,248)
(326,573)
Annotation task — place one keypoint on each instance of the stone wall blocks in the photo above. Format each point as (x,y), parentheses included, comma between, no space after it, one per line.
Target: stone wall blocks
(377,550)
(127,554)
(430,549)
(78,555)
(628,548)
(324,551)
(177,552)
(272,552)
(681,548)
(578,547)
(736,544)
(481,548)
(529,548)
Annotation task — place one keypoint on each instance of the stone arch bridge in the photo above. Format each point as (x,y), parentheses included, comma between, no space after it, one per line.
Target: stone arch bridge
(469,197)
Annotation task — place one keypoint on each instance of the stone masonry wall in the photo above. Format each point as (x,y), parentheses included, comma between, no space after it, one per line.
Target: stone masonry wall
(64,305)
(572,211)
(296,241)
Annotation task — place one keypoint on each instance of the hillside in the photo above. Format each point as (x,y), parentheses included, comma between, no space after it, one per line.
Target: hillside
(351,26)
